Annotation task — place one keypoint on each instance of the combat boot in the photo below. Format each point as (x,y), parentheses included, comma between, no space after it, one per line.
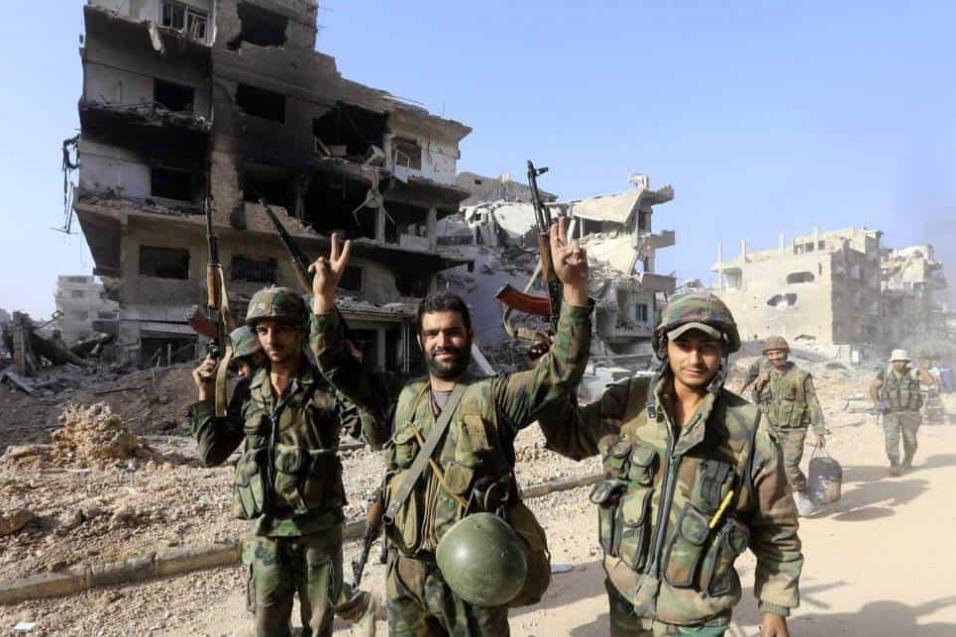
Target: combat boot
(895,470)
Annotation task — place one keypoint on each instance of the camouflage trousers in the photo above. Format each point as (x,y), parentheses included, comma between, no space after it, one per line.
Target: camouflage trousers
(280,567)
(896,425)
(624,623)
(420,604)
(791,442)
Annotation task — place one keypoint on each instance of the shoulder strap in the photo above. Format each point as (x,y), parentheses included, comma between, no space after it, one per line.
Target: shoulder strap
(421,460)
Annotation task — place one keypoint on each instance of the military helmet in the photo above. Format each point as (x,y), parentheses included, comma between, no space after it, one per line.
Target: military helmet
(701,311)
(281,304)
(482,560)
(775,342)
(244,342)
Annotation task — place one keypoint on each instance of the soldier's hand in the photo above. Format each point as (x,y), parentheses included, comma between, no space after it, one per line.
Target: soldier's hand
(326,274)
(205,377)
(570,263)
(821,441)
(773,626)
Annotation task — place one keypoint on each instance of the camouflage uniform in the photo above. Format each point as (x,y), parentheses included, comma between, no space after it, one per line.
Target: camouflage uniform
(668,553)
(901,393)
(289,480)
(477,458)
(790,405)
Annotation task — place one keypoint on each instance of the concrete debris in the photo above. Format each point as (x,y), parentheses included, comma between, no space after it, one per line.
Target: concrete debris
(93,435)
(13,521)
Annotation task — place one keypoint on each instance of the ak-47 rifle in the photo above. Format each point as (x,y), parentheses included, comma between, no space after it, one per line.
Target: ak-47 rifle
(218,323)
(373,528)
(300,262)
(533,304)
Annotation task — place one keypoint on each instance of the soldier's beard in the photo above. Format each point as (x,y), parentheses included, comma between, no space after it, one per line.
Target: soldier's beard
(452,368)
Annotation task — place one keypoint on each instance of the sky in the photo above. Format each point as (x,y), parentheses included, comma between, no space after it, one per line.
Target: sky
(765,117)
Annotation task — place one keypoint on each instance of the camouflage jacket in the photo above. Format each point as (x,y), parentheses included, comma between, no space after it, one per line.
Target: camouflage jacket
(901,392)
(668,547)
(476,456)
(289,476)
(789,400)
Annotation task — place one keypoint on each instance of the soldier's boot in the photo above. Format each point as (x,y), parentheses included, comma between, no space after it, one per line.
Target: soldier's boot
(896,470)
(804,504)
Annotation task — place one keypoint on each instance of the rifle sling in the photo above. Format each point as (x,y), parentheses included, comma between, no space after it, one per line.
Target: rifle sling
(424,455)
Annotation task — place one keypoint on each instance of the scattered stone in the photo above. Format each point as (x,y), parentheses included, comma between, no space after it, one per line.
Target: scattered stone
(12,522)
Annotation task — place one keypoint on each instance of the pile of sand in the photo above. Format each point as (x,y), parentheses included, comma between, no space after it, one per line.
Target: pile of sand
(90,435)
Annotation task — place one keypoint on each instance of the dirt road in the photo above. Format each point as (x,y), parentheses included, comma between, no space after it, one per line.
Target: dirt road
(881,563)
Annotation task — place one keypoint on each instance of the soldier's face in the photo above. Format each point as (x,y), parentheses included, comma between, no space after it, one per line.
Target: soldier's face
(281,342)
(900,366)
(694,358)
(777,357)
(446,344)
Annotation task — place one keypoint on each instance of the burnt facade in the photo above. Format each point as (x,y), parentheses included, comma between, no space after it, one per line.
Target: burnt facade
(228,102)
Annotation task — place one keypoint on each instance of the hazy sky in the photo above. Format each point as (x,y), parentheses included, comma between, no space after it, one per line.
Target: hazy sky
(766,117)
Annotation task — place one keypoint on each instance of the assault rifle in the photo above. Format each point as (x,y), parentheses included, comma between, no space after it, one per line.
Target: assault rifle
(373,528)
(533,304)
(300,262)
(217,322)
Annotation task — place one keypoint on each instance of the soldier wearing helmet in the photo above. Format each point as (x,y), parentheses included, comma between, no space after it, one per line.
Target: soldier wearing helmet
(691,479)
(786,396)
(896,394)
(462,545)
(288,478)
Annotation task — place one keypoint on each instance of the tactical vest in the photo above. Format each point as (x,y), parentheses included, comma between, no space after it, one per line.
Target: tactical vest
(476,468)
(677,516)
(290,464)
(784,398)
(901,392)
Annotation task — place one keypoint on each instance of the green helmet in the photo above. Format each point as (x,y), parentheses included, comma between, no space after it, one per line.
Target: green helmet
(482,560)
(698,310)
(244,342)
(277,303)
(775,342)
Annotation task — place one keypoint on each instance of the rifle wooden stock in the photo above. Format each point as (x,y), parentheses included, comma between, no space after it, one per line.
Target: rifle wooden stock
(533,304)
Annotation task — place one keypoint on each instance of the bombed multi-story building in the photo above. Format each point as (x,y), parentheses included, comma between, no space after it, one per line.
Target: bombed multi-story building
(227,102)
(83,307)
(836,288)
(500,188)
(617,231)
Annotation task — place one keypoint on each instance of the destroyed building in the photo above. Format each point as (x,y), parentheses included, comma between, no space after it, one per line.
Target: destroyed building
(911,277)
(618,233)
(228,102)
(500,188)
(84,307)
(841,287)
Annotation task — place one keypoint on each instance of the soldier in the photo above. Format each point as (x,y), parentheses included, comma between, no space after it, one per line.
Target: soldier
(450,462)
(691,480)
(786,396)
(896,394)
(289,476)
(247,354)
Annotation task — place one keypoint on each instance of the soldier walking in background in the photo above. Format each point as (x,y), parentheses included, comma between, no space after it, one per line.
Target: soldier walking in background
(896,394)
(691,480)
(785,394)
(289,476)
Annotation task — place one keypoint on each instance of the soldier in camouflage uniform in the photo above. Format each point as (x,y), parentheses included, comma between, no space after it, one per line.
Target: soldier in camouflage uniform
(471,470)
(785,394)
(289,476)
(247,354)
(896,394)
(691,479)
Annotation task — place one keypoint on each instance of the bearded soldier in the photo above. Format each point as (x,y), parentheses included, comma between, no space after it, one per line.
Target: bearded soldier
(289,476)
(785,395)
(462,546)
(691,479)
(896,394)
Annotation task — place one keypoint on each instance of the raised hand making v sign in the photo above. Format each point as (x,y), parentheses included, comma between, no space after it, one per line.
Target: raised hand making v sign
(570,263)
(327,272)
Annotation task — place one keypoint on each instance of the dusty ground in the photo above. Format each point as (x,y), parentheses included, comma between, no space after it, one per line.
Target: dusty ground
(872,567)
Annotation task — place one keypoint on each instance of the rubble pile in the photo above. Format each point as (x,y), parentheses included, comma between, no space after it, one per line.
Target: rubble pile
(93,435)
